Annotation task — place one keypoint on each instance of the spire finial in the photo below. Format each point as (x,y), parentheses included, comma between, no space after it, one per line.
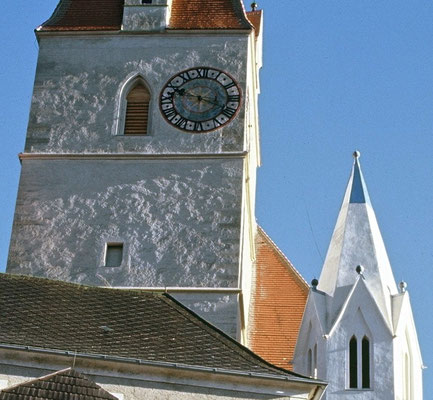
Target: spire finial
(403,286)
(356,154)
(314,284)
(254,6)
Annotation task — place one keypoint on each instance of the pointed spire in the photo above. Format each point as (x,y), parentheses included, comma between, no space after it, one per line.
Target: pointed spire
(357,241)
(358,193)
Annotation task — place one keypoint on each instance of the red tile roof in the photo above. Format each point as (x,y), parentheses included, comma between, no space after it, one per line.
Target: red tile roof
(279,297)
(208,14)
(255,17)
(86,15)
(91,15)
(63,384)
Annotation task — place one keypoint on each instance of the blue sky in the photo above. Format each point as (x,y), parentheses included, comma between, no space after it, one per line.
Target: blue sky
(337,76)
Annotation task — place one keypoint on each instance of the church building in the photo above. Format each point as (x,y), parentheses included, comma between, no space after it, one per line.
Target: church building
(135,257)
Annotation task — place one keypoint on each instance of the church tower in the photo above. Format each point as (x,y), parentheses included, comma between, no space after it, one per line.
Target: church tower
(358,331)
(139,168)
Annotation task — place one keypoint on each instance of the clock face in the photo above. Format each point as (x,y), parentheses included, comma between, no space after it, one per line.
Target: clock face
(200,99)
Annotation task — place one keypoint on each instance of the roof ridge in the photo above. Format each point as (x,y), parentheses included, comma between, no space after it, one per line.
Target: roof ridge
(213,330)
(240,4)
(282,255)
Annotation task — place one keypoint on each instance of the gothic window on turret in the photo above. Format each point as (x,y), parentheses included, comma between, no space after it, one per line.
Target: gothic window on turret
(359,363)
(310,362)
(315,361)
(365,363)
(353,363)
(137,110)
(407,377)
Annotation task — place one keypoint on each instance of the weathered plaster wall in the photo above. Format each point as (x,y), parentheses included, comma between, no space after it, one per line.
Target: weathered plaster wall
(179,221)
(182,221)
(77,93)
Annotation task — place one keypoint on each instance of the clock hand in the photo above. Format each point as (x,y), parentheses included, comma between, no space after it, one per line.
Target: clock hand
(211,101)
(183,92)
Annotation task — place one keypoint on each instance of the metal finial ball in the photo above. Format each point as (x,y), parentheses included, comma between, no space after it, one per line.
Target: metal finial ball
(356,154)
(403,286)
(359,269)
(314,283)
(254,6)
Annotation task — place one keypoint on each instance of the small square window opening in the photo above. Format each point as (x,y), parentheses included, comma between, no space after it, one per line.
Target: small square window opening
(114,255)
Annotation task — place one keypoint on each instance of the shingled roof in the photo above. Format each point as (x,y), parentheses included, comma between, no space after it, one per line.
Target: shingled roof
(64,384)
(94,15)
(132,324)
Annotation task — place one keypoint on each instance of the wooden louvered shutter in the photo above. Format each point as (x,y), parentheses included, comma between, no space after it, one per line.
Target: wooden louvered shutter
(137,110)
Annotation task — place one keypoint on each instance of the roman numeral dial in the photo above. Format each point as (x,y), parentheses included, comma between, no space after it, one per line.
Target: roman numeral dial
(200,100)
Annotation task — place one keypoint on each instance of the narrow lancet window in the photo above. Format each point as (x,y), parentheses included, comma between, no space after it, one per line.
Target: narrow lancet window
(407,383)
(315,361)
(365,363)
(353,363)
(137,110)
(310,362)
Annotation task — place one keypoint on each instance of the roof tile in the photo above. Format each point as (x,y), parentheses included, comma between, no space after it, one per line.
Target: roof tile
(57,386)
(94,15)
(115,322)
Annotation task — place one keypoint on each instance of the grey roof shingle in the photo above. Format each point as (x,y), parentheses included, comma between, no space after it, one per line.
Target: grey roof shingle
(61,385)
(151,327)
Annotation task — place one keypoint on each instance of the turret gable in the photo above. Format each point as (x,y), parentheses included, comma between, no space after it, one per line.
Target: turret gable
(357,241)
(361,299)
(404,323)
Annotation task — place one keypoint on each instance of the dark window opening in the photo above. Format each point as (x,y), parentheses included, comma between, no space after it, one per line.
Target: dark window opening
(365,363)
(310,363)
(146,1)
(114,255)
(353,363)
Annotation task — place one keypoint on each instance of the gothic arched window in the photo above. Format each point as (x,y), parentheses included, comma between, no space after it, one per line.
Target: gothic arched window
(353,363)
(137,110)
(359,363)
(365,363)
(310,362)
(315,361)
